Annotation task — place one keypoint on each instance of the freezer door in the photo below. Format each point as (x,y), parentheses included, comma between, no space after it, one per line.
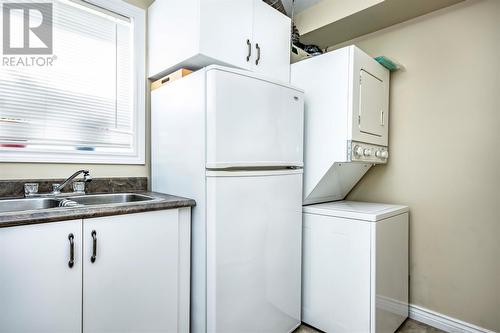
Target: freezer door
(253,252)
(252,121)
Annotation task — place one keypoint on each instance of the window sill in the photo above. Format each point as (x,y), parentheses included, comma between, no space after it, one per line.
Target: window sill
(72,158)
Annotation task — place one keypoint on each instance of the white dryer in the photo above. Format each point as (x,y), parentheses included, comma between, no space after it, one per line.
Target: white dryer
(355,267)
(346,120)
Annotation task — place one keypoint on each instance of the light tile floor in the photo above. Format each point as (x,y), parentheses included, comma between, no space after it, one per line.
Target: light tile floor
(409,326)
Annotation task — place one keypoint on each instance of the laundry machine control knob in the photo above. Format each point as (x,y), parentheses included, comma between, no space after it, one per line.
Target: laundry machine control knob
(367,152)
(382,154)
(358,151)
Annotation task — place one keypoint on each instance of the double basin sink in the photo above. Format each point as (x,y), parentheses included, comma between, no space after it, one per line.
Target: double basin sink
(17,205)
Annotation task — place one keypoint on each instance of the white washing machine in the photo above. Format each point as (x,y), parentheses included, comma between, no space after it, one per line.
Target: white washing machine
(355,266)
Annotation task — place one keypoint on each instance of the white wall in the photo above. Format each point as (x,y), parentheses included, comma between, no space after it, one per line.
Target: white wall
(445,155)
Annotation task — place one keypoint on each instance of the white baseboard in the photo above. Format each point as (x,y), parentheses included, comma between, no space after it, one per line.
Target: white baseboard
(443,322)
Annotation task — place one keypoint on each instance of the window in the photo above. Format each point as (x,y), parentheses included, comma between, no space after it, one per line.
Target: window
(84,102)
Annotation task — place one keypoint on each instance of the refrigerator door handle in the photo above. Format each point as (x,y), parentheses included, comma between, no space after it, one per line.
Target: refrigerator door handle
(252,173)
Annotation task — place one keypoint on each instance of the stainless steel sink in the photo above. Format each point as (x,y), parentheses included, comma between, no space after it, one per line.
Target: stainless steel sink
(113,198)
(16,205)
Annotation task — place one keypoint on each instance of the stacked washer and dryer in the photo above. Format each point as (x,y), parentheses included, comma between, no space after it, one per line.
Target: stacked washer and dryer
(355,254)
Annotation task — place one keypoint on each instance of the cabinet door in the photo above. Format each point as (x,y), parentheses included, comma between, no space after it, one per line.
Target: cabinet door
(271,36)
(133,283)
(39,291)
(173,33)
(226,31)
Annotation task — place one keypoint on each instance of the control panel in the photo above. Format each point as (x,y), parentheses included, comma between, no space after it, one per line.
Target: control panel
(364,152)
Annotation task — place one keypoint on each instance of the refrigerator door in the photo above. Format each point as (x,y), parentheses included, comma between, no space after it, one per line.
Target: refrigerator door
(254,236)
(252,122)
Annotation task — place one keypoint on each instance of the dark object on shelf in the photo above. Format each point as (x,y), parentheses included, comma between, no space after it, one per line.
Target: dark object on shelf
(277,4)
(296,36)
(298,54)
(313,50)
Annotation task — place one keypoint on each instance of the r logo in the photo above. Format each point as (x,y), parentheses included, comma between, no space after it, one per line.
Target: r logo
(36,23)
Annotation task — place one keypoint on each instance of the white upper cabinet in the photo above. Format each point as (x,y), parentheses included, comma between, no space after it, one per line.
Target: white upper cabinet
(247,34)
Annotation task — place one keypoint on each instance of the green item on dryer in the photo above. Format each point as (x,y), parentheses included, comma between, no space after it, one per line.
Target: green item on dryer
(388,63)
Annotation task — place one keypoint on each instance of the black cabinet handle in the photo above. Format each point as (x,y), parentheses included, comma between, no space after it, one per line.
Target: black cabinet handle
(71,261)
(258,53)
(249,50)
(94,246)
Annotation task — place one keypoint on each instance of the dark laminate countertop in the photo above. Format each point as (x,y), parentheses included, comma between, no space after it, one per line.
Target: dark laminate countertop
(162,201)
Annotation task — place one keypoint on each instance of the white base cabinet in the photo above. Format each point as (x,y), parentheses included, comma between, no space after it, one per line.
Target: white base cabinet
(247,34)
(130,274)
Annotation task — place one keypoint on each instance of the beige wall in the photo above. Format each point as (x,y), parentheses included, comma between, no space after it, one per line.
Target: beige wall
(445,156)
(52,170)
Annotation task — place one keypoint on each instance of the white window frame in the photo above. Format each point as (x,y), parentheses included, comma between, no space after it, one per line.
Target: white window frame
(138,156)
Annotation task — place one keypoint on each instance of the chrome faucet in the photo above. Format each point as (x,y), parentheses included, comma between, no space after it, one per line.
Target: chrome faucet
(86,178)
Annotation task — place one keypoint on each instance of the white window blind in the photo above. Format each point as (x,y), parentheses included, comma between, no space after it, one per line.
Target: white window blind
(83,103)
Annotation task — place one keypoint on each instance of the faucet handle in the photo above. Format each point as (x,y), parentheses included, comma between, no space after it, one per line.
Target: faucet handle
(86,176)
(30,189)
(79,187)
(55,188)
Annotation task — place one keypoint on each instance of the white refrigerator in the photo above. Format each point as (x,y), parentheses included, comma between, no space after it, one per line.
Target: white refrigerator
(233,141)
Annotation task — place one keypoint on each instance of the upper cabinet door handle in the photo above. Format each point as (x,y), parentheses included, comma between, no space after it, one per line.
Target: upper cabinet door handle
(258,53)
(249,50)
(71,261)
(94,246)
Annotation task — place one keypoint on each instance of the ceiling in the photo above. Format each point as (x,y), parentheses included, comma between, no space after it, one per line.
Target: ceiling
(327,25)
(300,5)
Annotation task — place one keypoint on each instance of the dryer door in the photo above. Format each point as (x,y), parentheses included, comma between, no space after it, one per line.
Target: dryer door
(371,115)
(370,100)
